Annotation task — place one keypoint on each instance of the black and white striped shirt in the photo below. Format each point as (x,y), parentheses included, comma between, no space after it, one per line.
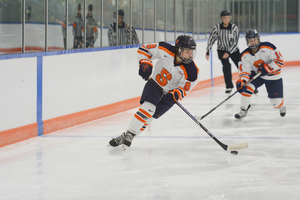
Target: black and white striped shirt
(124,32)
(228,38)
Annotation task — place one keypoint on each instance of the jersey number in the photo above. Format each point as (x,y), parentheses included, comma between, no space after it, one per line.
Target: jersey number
(258,63)
(187,86)
(151,46)
(165,76)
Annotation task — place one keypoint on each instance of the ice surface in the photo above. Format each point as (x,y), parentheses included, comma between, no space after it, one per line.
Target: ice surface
(173,159)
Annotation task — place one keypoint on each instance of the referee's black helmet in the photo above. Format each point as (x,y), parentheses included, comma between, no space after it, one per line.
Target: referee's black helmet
(225,13)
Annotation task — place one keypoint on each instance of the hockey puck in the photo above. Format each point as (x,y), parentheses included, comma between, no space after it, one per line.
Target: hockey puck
(234,152)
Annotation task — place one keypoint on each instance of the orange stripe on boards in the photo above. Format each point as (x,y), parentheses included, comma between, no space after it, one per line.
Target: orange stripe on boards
(66,121)
(73,119)
(19,134)
(15,135)
(291,63)
(217,80)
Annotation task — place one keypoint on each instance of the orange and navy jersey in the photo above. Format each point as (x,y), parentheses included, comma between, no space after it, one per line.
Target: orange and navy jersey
(168,74)
(267,53)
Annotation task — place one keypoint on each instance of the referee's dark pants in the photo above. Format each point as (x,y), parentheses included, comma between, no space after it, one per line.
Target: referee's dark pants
(235,57)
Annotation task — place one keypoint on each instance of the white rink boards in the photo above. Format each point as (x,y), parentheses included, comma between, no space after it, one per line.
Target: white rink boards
(173,159)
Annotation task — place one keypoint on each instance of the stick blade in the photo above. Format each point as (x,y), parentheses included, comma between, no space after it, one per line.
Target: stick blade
(198,117)
(237,147)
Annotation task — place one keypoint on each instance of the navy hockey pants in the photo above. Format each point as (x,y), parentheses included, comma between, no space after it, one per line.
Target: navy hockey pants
(153,94)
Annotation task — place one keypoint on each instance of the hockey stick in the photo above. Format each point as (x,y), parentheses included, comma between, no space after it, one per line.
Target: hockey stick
(201,117)
(236,147)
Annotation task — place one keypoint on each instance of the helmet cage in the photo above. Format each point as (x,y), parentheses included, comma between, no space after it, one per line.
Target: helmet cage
(185,42)
(254,46)
(186,60)
(252,34)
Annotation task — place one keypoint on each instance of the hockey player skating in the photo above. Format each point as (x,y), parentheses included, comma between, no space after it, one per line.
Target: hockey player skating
(175,71)
(261,57)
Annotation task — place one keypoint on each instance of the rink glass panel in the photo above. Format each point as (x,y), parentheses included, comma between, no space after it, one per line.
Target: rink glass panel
(154,20)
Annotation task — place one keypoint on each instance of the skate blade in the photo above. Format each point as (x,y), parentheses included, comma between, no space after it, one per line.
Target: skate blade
(124,147)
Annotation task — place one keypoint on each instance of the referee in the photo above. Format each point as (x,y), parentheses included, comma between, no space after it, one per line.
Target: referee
(124,32)
(228,36)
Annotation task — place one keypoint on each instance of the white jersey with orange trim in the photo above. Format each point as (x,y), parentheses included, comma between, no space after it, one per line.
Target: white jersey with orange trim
(267,53)
(166,73)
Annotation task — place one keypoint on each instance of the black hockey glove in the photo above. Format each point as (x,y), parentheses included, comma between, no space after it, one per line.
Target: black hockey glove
(240,85)
(265,69)
(172,96)
(145,68)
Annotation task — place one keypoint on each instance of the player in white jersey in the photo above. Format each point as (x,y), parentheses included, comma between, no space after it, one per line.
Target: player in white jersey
(261,57)
(175,71)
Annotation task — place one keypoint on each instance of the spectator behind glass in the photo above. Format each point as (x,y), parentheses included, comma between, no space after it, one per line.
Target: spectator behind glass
(124,31)
(64,25)
(91,28)
(78,27)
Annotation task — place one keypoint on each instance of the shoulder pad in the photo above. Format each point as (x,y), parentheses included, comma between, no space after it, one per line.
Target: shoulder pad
(168,48)
(268,44)
(245,52)
(191,71)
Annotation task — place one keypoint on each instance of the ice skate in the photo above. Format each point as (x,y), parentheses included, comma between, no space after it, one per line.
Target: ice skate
(228,91)
(282,111)
(125,140)
(128,140)
(242,113)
